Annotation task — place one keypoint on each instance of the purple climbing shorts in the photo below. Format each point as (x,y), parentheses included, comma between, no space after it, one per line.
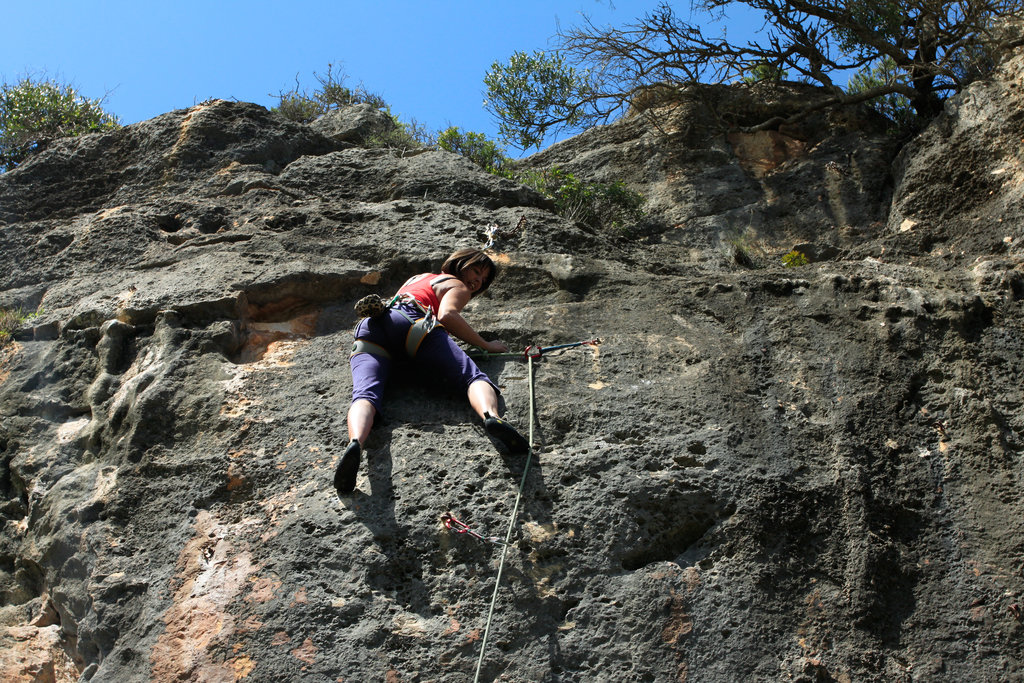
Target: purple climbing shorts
(438,355)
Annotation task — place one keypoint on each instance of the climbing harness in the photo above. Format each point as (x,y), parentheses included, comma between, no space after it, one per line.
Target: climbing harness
(372,305)
(419,328)
(459,527)
(363,346)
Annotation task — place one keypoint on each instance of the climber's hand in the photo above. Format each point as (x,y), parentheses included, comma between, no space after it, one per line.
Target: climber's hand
(495,347)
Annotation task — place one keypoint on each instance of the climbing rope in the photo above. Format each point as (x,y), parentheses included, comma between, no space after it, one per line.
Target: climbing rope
(508,534)
(531,354)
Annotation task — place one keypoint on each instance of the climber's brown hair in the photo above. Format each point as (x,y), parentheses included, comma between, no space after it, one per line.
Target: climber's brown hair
(464,258)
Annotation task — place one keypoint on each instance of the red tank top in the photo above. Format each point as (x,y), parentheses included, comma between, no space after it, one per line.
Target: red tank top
(419,287)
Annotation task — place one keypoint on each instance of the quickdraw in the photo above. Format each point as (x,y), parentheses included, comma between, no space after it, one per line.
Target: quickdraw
(494,233)
(533,351)
(536,352)
(459,527)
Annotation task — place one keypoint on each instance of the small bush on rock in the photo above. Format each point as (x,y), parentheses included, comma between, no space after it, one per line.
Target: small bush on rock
(11,321)
(303,107)
(33,112)
(476,147)
(794,259)
(599,205)
(742,249)
(332,93)
(402,137)
(296,107)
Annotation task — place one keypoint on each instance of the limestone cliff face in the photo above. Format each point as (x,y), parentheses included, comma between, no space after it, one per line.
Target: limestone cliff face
(760,474)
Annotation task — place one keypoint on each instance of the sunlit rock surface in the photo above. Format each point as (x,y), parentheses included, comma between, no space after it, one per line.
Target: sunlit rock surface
(761,473)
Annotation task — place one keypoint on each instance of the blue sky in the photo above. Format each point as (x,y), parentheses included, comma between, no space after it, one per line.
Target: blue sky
(426,59)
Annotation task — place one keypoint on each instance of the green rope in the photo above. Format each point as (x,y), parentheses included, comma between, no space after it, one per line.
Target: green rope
(508,534)
(530,351)
(484,355)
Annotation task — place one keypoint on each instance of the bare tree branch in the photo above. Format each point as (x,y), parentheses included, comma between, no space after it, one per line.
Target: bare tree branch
(934,47)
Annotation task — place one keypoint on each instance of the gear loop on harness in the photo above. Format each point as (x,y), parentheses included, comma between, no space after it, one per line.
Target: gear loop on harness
(419,328)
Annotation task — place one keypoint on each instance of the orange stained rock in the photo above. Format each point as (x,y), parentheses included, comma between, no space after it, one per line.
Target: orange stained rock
(211,576)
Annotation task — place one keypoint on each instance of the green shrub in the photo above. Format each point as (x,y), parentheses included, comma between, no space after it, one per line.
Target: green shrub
(11,321)
(599,205)
(331,93)
(795,259)
(895,107)
(403,137)
(534,93)
(764,71)
(483,152)
(301,108)
(33,112)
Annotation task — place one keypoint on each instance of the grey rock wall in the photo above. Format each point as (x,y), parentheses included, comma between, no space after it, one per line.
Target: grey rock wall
(759,474)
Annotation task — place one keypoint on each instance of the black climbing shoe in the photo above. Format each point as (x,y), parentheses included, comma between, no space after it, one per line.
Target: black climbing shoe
(506,435)
(370,305)
(348,466)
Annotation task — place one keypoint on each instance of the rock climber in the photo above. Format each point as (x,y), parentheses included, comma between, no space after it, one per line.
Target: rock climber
(418,324)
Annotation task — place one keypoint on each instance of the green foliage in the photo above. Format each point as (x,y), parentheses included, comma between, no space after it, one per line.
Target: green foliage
(532,93)
(33,112)
(402,137)
(880,18)
(894,106)
(11,321)
(763,71)
(300,108)
(599,205)
(598,72)
(794,259)
(743,249)
(331,93)
(476,147)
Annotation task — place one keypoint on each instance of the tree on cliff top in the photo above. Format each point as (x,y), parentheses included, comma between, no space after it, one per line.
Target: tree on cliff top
(936,47)
(34,112)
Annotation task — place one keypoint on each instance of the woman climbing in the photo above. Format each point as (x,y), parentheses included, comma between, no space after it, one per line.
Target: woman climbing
(427,310)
